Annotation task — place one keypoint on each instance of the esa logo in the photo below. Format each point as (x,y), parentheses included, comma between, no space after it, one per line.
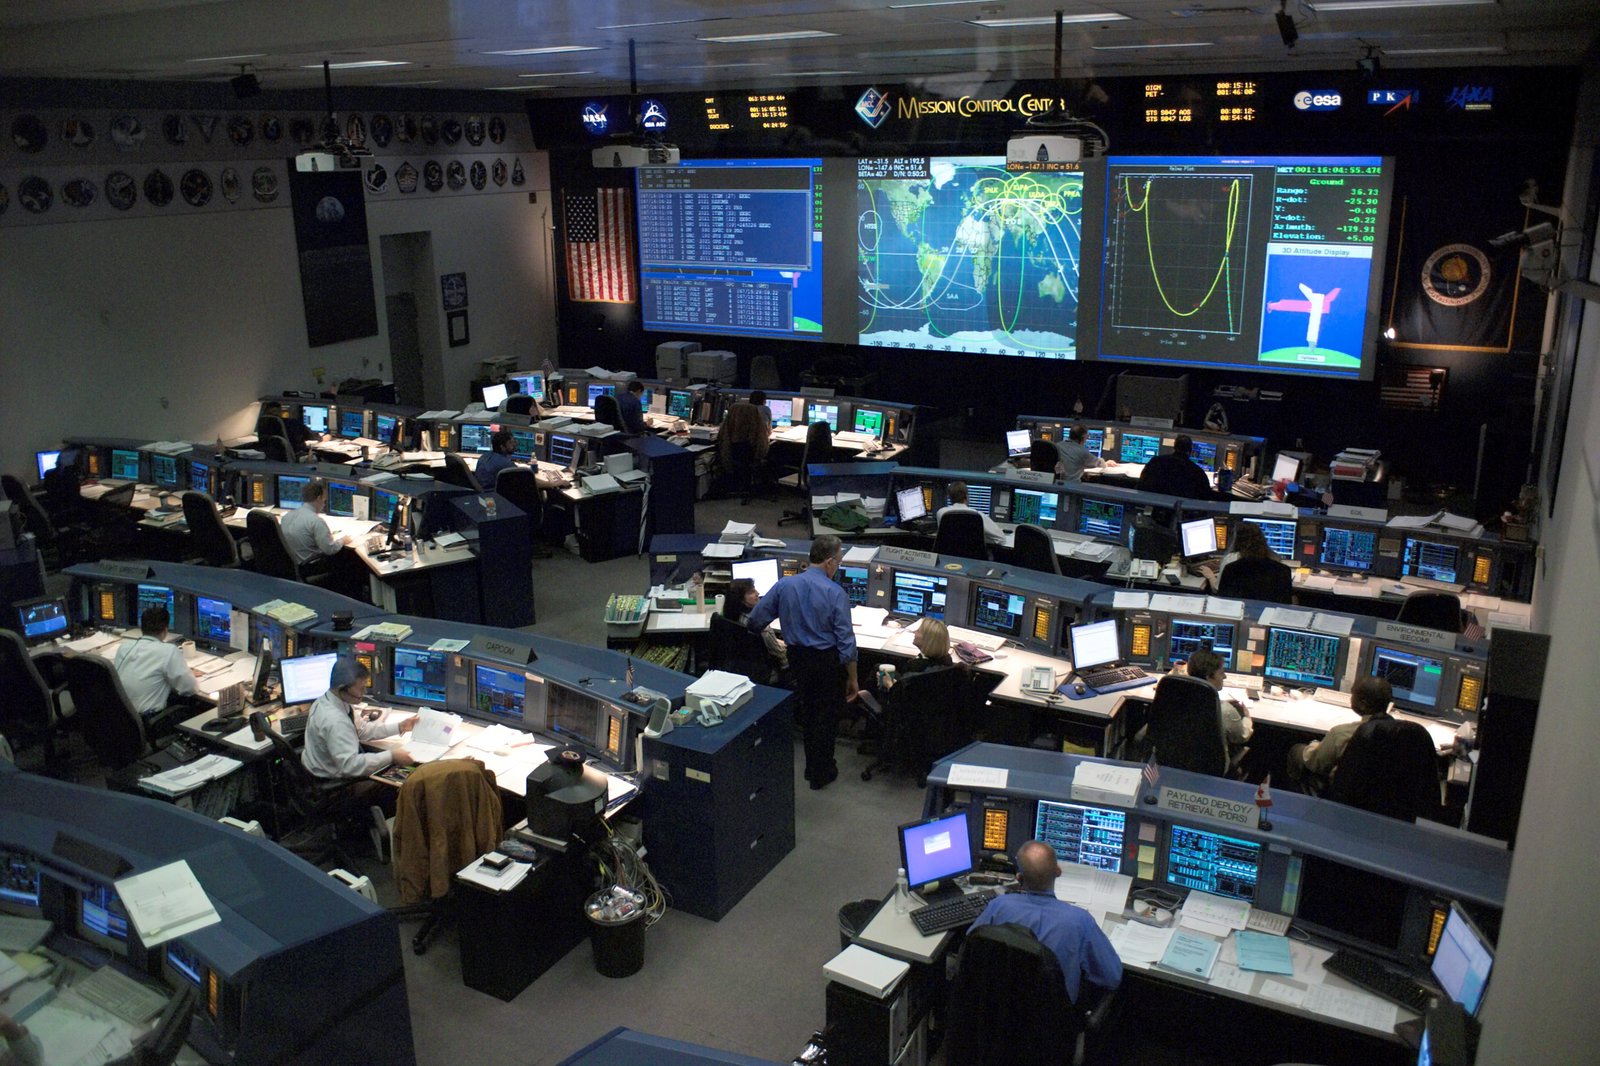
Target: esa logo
(1317,100)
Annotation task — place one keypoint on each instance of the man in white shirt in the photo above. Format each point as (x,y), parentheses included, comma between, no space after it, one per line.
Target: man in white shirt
(1236,720)
(316,549)
(151,670)
(335,729)
(958,502)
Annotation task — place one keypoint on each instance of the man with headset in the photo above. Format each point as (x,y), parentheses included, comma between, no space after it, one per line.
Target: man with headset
(152,670)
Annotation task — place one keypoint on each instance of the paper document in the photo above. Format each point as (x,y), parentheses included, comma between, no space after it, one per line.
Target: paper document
(1166,601)
(22,934)
(436,727)
(10,973)
(1190,954)
(67,1035)
(963,775)
(1130,601)
(1104,782)
(166,902)
(1284,616)
(1337,624)
(191,775)
(721,550)
(1263,951)
(495,737)
(861,554)
(447,645)
(1099,892)
(738,530)
(1318,582)
(1358,1008)
(1226,975)
(92,642)
(1217,607)
(1218,910)
(867,616)
(1283,992)
(1139,943)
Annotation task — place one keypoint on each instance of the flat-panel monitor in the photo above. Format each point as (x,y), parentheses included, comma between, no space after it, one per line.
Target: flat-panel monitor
(1199,537)
(341,499)
(314,417)
(680,403)
(823,412)
(164,471)
(1414,676)
(19,883)
(385,427)
(1348,549)
(1139,447)
(383,505)
(919,595)
(499,692)
(532,384)
(597,391)
(1213,862)
(494,395)
(101,919)
(290,489)
(1034,507)
(1204,453)
(475,436)
(1301,657)
(1189,635)
(853,579)
(1094,438)
(1462,961)
(1082,835)
(523,443)
(1019,442)
(199,476)
(186,963)
(124,464)
(1100,518)
(573,714)
(868,420)
(306,678)
(1280,534)
(46,461)
(1352,902)
(1430,559)
(1285,468)
(1095,644)
(763,572)
(936,849)
(213,620)
(419,676)
(562,448)
(910,503)
(155,596)
(352,423)
(42,620)
(782,411)
(997,610)
(981,499)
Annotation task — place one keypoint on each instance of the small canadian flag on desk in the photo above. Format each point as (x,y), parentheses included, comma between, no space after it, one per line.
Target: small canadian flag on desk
(1264,801)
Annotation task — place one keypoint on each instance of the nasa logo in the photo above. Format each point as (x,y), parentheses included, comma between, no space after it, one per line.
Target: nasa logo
(1456,275)
(1317,100)
(595,119)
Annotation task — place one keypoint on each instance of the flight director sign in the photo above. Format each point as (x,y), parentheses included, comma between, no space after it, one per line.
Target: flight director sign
(1317,100)
(874,107)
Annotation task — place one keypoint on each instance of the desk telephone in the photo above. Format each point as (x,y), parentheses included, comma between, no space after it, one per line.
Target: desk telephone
(1143,569)
(1039,679)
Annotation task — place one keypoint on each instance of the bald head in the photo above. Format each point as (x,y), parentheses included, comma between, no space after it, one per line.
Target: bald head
(1037,868)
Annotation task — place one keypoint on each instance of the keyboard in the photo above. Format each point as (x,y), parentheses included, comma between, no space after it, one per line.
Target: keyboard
(112,991)
(1430,583)
(1100,679)
(951,914)
(1378,979)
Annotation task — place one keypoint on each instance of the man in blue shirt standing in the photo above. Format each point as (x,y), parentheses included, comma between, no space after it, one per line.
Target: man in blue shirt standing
(631,407)
(1070,933)
(814,612)
(501,445)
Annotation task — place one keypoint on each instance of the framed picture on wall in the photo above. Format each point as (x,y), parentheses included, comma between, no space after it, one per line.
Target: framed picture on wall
(454,289)
(456,324)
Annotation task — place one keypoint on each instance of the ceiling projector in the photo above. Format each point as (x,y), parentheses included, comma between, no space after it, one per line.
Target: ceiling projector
(1044,149)
(632,156)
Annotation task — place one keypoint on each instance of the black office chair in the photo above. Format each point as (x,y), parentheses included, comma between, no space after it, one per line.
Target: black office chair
(764,373)
(457,472)
(926,716)
(520,404)
(1257,579)
(1034,550)
(30,713)
(1043,457)
(1185,729)
(961,535)
(213,542)
(102,715)
(1390,767)
(520,486)
(447,814)
(271,552)
(738,649)
(1433,610)
(606,411)
(746,475)
(318,804)
(818,449)
(1009,1004)
(276,449)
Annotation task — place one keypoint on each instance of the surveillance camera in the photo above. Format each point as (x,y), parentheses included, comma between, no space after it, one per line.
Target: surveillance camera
(1516,238)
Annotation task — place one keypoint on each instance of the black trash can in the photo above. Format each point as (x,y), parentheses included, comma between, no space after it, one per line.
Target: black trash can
(617,935)
(853,917)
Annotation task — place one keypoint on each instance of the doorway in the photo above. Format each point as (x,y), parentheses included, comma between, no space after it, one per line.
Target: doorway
(415,352)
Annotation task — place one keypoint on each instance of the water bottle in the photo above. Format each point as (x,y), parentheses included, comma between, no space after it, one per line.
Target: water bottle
(902,892)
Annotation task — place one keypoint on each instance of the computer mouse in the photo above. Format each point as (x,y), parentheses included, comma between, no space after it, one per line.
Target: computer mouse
(1079,687)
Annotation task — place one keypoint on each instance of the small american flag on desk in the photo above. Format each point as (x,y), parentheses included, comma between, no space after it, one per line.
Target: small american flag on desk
(599,243)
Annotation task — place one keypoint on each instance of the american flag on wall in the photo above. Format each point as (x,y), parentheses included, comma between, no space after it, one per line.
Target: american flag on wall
(599,238)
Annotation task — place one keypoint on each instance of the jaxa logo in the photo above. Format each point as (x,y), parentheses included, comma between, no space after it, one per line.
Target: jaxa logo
(873,107)
(1471,98)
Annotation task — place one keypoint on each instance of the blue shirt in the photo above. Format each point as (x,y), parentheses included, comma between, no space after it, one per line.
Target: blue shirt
(1068,931)
(813,610)
(489,466)
(632,414)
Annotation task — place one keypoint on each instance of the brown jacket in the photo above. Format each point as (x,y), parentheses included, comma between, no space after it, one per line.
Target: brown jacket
(744,422)
(448,814)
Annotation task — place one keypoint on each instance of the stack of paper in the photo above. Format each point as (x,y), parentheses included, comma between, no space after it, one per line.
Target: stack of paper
(720,690)
(190,776)
(499,880)
(1098,782)
(436,732)
(1190,954)
(1100,892)
(1217,607)
(22,934)
(495,737)
(1139,943)
(284,611)
(1264,952)
(1284,616)
(737,532)
(1216,915)
(391,631)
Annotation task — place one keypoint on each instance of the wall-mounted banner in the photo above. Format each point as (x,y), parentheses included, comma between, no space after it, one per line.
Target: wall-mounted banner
(330,232)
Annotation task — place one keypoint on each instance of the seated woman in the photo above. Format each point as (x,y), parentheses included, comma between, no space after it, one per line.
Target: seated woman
(932,642)
(740,599)
(1253,571)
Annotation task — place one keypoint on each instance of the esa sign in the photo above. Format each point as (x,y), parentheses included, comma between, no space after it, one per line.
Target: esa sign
(1317,100)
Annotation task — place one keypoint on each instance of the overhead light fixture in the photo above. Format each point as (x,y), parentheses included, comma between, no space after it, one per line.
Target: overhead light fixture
(407,84)
(1387,5)
(358,64)
(937,3)
(819,73)
(721,66)
(1449,50)
(227,59)
(549,50)
(782,35)
(1047,20)
(1286,28)
(675,22)
(557,74)
(1139,47)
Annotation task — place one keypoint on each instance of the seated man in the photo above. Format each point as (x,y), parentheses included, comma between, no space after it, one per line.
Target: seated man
(1311,766)
(496,459)
(630,407)
(1176,474)
(151,669)
(1071,933)
(313,546)
(1236,723)
(335,729)
(957,492)
(1073,457)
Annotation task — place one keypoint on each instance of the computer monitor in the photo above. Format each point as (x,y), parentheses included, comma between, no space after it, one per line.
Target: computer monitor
(306,678)
(384,503)
(19,883)
(1189,635)
(981,499)
(199,476)
(46,461)
(532,383)
(475,436)
(1213,862)
(1348,549)
(824,412)
(385,427)
(1019,442)
(597,391)
(1462,961)
(1285,468)
(155,596)
(680,403)
(291,487)
(1199,538)
(910,503)
(101,919)
(1415,677)
(1280,534)
(782,411)
(341,499)
(1034,507)
(997,610)
(1430,559)
(1444,1037)
(936,849)
(213,620)
(1082,835)
(499,692)
(1095,440)
(494,395)
(562,448)
(1139,447)
(42,620)
(124,464)
(1300,657)
(1100,518)
(573,714)
(853,579)
(523,443)
(764,572)
(352,423)
(868,420)
(1095,644)
(1204,453)
(919,595)
(164,471)
(314,417)
(418,675)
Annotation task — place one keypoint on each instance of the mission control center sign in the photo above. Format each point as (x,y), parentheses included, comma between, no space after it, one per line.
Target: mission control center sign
(874,107)
(1199,805)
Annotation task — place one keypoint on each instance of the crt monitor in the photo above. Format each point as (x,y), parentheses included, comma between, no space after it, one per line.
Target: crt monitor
(1139,447)
(1019,442)
(1095,644)
(911,503)
(1462,961)
(1100,518)
(101,919)
(499,692)
(1034,507)
(418,676)
(290,489)
(1414,676)
(680,403)
(997,611)
(532,383)
(1094,438)
(475,436)
(42,620)
(314,417)
(1199,538)
(213,620)
(155,596)
(824,412)
(782,411)
(383,504)
(1082,835)
(919,595)
(1280,534)
(981,499)
(494,395)
(306,678)
(385,427)
(869,420)
(1213,862)
(936,849)
(764,572)
(341,499)
(1285,468)
(597,391)
(19,883)
(523,443)
(1204,454)
(164,471)
(1431,560)
(352,423)
(1189,635)
(562,448)
(1347,549)
(853,579)
(199,476)
(124,464)
(46,461)
(1301,657)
